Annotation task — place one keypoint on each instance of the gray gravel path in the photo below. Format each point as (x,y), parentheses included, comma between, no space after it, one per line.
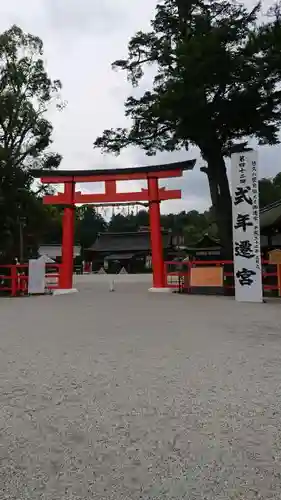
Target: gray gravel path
(130,395)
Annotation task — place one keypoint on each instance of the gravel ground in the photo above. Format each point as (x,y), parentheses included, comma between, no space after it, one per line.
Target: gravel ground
(131,395)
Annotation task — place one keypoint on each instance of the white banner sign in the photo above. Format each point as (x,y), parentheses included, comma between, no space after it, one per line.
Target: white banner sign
(36,276)
(246,227)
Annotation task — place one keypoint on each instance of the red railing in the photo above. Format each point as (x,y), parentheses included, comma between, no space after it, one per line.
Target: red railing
(178,274)
(15,280)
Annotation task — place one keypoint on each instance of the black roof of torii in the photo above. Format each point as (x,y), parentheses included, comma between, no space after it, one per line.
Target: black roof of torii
(181,165)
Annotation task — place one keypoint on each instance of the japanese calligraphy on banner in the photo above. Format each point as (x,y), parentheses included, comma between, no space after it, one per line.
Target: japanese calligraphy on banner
(246,227)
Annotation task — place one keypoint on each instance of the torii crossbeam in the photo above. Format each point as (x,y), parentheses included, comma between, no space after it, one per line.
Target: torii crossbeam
(153,194)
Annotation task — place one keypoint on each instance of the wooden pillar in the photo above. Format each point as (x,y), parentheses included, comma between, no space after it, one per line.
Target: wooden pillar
(155,234)
(66,275)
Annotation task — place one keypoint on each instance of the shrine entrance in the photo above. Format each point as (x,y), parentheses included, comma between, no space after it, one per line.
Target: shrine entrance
(152,195)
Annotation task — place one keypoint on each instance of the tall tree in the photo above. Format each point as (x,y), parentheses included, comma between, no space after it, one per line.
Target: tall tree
(26,93)
(89,223)
(217,72)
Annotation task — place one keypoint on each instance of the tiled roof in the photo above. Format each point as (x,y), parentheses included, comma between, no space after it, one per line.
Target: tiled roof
(270,215)
(207,241)
(129,242)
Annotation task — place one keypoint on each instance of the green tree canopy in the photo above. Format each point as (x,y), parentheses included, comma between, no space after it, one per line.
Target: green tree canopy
(26,93)
(217,73)
(88,224)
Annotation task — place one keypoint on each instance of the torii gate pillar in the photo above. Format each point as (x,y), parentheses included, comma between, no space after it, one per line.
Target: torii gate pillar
(66,274)
(155,234)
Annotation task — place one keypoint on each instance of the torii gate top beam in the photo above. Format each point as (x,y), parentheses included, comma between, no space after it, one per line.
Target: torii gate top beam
(122,174)
(110,178)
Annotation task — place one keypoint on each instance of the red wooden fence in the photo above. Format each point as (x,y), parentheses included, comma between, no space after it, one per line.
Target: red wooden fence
(14,278)
(178,274)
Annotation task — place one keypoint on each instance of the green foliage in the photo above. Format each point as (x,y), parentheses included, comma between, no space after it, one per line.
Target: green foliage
(51,231)
(88,224)
(192,225)
(128,223)
(217,72)
(26,93)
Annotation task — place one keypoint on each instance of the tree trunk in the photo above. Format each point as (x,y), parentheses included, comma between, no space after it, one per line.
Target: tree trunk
(220,196)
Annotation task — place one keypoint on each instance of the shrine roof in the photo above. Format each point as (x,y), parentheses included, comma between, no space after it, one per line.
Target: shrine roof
(182,165)
(270,216)
(127,242)
(206,242)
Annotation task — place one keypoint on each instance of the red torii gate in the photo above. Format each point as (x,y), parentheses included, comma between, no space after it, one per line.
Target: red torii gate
(153,195)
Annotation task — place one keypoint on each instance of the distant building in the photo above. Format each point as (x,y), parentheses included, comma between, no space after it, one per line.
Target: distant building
(54,251)
(207,248)
(270,224)
(132,251)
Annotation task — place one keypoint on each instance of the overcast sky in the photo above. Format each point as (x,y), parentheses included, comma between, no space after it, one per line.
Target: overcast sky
(81,39)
